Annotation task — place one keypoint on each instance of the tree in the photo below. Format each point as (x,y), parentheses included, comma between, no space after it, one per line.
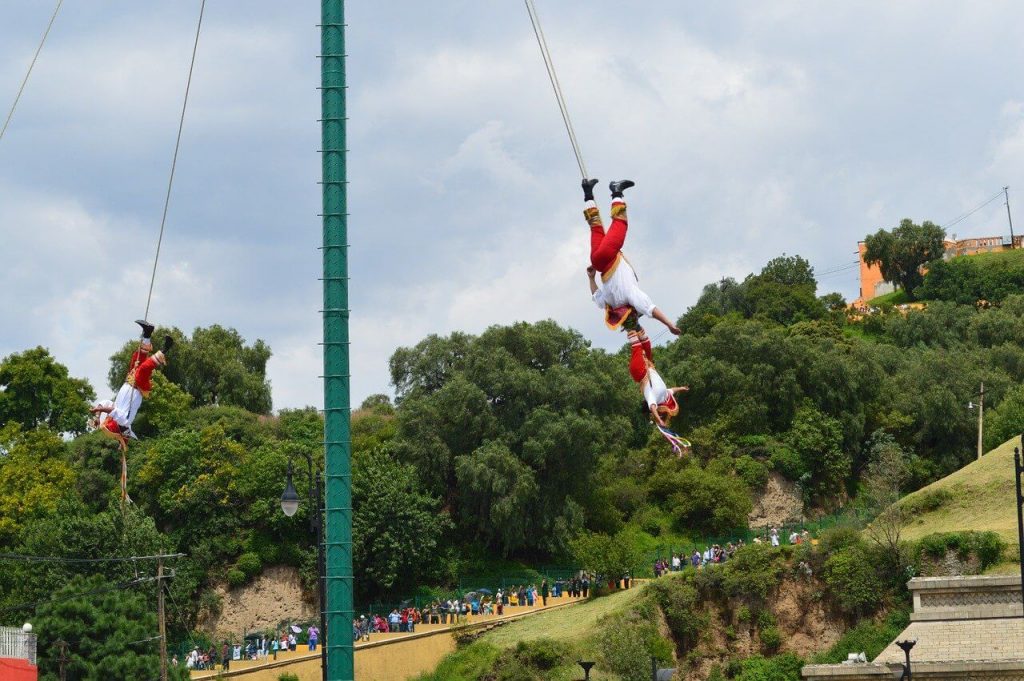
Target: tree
(214,366)
(1006,420)
(887,473)
(36,390)
(33,476)
(108,628)
(902,253)
(396,528)
(789,270)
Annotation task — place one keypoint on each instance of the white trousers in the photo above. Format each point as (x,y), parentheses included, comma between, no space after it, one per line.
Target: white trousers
(126,406)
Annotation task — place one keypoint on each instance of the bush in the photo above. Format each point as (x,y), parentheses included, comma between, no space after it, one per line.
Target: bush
(682,606)
(853,581)
(787,463)
(543,653)
(752,573)
(868,637)
(838,538)
(627,641)
(250,564)
(236,578)
(930,500)
(987,546)
(287,676)
(784,667)
(752,472)
(771,640)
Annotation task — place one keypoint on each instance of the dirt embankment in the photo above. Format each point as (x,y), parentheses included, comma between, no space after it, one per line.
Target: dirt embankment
(272,599)
(800,616)
(779,502)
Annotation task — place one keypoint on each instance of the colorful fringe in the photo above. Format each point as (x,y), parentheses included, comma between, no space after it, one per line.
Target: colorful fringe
(680,445)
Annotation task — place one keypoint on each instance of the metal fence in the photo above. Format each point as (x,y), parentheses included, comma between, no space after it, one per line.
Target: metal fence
(16,644)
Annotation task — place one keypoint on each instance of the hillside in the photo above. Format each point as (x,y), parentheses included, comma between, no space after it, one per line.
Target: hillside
(979,496)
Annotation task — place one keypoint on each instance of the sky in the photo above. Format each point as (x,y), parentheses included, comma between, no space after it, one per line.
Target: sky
(751,130)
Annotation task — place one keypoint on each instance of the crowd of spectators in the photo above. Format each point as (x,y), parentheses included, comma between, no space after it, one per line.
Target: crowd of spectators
(715,553)
(482,602)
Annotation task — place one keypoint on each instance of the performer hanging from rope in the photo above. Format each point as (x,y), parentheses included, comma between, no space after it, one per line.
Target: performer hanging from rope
(115,418)
(659,400)
(619,293)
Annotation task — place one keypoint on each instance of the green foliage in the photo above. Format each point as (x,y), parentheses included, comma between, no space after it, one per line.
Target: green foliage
(988,547)
(771,640)
(853,581)
(214,366)
(680,601)
(818,439)
(752,472)
(36,390)
(927,501)
(901,253)
(968,279)
(626,641)
(787,463)
(167,408)
(840,537)
(287,676)
(98,619)
(34,477)
(471,663)
(784,667)
(250,564)
(610,556)
(752,573)
(1006,420)
(398,529)
(709,500)
(236,578)
(867,636)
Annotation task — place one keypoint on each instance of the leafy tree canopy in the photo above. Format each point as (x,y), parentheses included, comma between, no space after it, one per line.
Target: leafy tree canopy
(36,390)
(901,253)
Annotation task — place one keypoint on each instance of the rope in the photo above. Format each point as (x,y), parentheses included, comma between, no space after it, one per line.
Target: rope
(174,160)
(24,82)
(542,43)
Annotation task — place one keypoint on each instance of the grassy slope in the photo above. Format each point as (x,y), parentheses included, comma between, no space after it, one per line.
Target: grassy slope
(573,623)
(1013,259)
(982,498)
(895,298)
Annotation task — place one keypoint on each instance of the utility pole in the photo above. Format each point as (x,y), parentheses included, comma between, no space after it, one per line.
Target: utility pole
(337,390)
(1006,193)
(981,416)
(62,657)
(160,616)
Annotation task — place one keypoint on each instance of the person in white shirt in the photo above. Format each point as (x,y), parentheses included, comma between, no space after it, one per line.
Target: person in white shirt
(775,537)
(619,294)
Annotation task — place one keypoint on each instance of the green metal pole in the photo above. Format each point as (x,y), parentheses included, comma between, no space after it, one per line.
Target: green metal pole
(337,448)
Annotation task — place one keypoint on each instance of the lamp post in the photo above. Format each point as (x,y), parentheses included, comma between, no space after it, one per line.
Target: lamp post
(906,646)
(981,415)
(1018,470)
(290,504)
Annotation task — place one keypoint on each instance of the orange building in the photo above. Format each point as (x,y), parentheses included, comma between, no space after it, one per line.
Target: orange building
(872,284)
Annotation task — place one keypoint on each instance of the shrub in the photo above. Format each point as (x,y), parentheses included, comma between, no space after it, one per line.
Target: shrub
(543,653)
(681,604)
(837,538)
(626,642)
(752,573)
(868,637)
(235,578)
(853,581)
(250,564)
(771,640)
(787,463)
(765,619)
(784,667)
(925,502)
(987,546)
(287,676)
(752,472)
(743,614)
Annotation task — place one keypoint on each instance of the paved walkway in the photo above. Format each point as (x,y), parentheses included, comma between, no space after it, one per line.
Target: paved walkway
(422,630)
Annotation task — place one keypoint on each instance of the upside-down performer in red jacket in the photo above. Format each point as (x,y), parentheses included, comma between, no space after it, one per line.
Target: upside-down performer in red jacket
(659,399)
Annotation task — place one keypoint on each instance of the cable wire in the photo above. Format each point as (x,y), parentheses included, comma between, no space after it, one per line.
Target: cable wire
(542,43)
(10,114)
(174,160)
(971,212)
(61,559)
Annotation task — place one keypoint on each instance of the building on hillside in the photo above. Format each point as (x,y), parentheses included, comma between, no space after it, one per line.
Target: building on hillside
(967,628)
(872,284)
(17,655)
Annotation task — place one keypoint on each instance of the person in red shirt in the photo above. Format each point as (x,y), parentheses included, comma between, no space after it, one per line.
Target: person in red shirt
(115,418)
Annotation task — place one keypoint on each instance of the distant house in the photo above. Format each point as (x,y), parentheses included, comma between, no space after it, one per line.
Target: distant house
(872,284)
(17,655)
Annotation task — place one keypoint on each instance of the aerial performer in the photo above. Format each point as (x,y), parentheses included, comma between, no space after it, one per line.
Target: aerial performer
(115,418)
(659,400)
(619,294)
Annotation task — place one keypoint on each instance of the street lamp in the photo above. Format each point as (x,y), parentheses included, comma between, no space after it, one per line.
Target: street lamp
(905,646)
(290,505)
(981,416)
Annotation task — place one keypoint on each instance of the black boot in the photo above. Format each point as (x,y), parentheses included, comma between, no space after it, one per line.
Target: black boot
(168,342)
(147,328)
(619,186)
(588,189)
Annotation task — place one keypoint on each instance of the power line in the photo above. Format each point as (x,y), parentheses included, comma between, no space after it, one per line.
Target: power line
(974,210)
(61,559)
(120,586)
